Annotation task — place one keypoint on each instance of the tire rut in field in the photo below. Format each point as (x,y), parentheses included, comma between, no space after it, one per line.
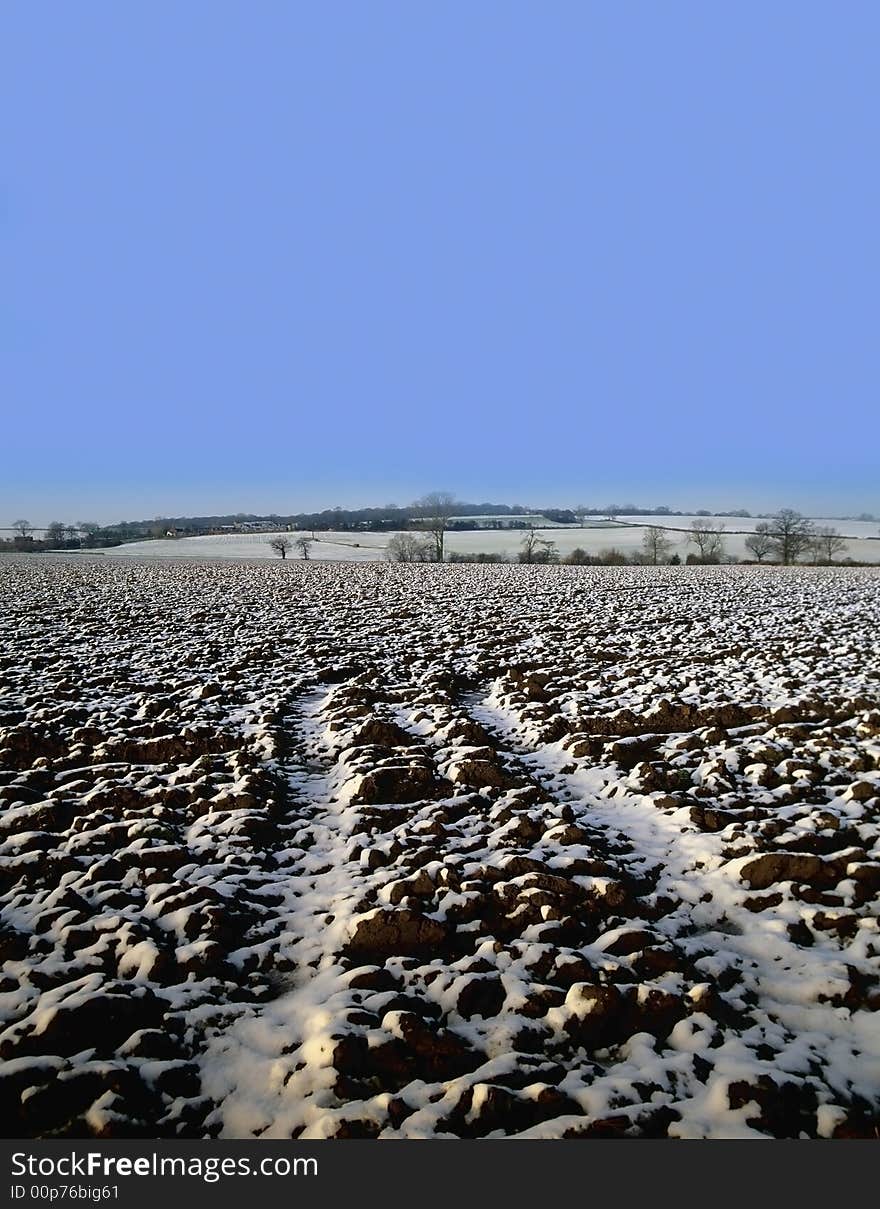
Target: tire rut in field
(452,968)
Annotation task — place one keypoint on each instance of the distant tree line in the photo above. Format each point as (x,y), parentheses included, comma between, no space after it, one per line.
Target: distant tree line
(60,535)
(420,532)
(389,518)
(787,538)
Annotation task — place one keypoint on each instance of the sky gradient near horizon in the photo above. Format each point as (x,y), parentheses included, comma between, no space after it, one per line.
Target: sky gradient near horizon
(294,256)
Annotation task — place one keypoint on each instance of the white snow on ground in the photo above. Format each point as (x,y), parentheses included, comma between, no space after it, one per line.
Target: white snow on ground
(459,851)
(318,898)
(849,528)
(330,547)
(367,547)
(786,978)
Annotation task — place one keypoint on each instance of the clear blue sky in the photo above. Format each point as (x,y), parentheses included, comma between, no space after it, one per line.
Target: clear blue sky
(288,255)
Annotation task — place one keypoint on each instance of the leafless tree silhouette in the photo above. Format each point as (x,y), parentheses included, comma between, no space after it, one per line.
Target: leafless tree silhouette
(656,546)
(760,543)
(792,534)
(435,510)
(409,548)
(707,537)
(826,543)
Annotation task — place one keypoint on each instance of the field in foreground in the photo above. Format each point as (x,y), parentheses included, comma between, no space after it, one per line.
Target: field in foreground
(364,850)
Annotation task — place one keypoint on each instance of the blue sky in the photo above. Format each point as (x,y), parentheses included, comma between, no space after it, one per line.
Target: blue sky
(295,255)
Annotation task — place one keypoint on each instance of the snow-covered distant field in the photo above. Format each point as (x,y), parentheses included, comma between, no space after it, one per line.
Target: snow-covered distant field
(331,547)
(370,547)
(379,851)
(855,529)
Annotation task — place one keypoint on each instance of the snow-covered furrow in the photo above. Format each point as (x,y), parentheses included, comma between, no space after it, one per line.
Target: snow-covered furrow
(786,988)
(270,1072)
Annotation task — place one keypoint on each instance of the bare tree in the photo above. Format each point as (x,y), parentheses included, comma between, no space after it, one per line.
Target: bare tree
(435,510)
(656,546)
(304,545)
(55,533)
(792,534)
(87,530)
(23,528)
(708,539)
(72,533)
(546,552)
(409,548)
(536,549)
(760,543)
(529,545)
(281,545)
(826,543)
